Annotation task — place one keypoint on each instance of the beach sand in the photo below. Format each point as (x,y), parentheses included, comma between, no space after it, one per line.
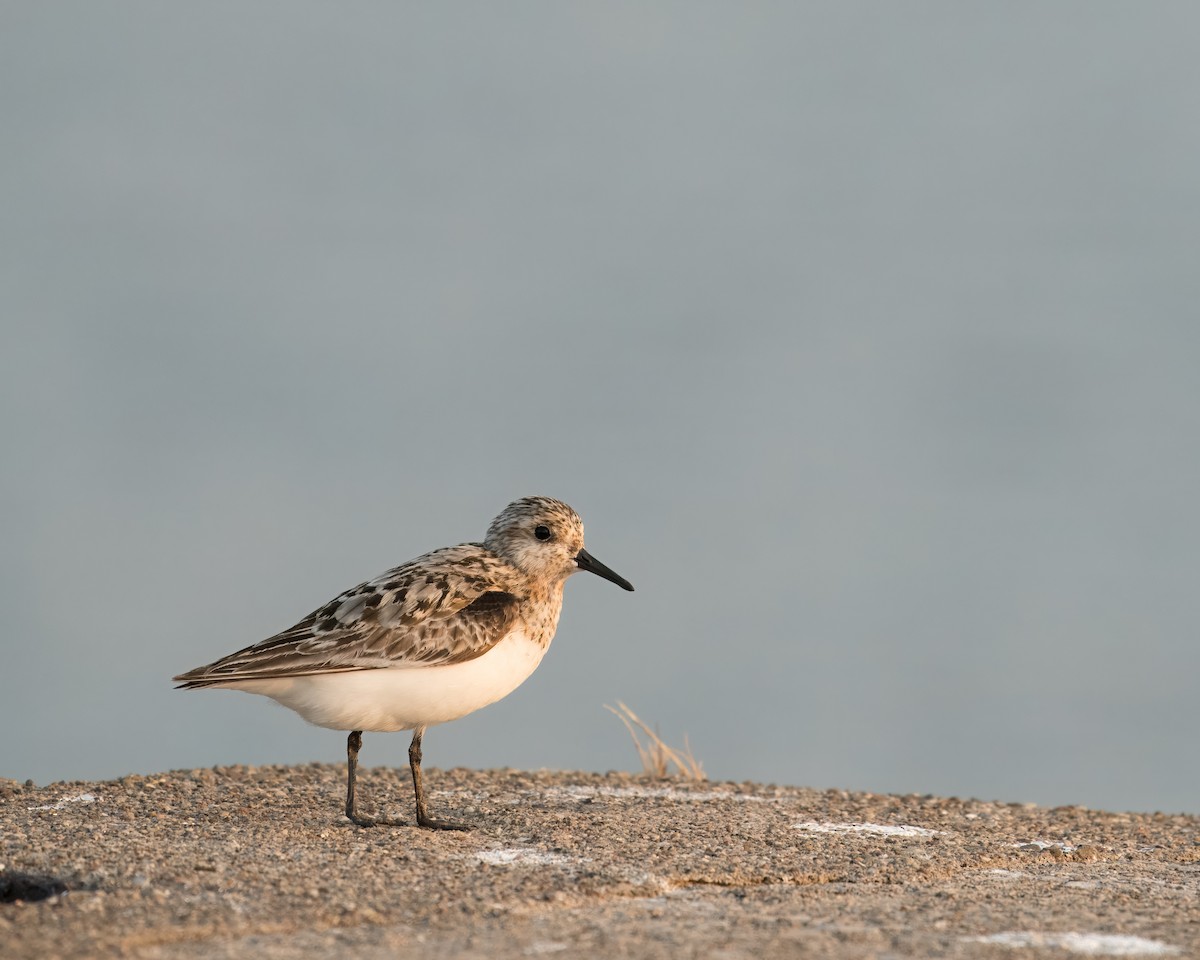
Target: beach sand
(238,861)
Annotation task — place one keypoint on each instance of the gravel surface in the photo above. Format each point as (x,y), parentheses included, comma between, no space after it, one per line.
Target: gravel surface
(240,861)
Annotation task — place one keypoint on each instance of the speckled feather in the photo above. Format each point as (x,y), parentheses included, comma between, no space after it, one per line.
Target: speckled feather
(446,607)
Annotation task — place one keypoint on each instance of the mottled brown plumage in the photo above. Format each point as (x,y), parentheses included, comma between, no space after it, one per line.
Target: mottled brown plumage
(450,605)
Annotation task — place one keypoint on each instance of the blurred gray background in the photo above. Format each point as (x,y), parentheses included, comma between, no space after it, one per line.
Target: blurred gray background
(863,336)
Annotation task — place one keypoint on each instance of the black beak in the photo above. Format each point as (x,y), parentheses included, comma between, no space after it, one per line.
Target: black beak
(585,561)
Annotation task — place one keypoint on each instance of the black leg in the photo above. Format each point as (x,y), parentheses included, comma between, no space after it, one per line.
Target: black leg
(423,817)
(353,745)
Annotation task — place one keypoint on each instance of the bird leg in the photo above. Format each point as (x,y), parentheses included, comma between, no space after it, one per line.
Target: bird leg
(423,817)
(353,745)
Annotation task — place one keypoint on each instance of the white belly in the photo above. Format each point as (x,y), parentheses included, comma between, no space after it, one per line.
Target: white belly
(404,698)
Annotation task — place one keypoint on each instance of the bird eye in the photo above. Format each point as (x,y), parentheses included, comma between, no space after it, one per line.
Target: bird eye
(542,532)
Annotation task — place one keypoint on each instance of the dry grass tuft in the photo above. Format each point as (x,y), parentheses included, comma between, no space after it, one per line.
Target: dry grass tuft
(657,758)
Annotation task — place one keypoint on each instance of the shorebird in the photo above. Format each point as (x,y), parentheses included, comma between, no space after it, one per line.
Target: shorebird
(424,643)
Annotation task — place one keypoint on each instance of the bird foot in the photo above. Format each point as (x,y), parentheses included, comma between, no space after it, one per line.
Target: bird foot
(359,820)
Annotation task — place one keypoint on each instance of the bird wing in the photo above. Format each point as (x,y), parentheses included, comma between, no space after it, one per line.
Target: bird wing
(449,606)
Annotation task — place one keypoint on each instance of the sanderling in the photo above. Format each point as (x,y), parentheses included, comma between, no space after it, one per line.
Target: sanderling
(426,642)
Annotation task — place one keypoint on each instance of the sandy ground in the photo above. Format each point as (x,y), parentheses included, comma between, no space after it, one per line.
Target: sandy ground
(238,861)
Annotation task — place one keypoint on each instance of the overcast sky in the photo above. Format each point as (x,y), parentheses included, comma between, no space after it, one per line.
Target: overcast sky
(862,335)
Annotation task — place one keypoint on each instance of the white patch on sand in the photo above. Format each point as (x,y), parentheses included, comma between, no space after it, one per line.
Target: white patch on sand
(881,829)
(82,798)
(654,793)
(541,947)
(1043,845)
(523,856)
(1089,944)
